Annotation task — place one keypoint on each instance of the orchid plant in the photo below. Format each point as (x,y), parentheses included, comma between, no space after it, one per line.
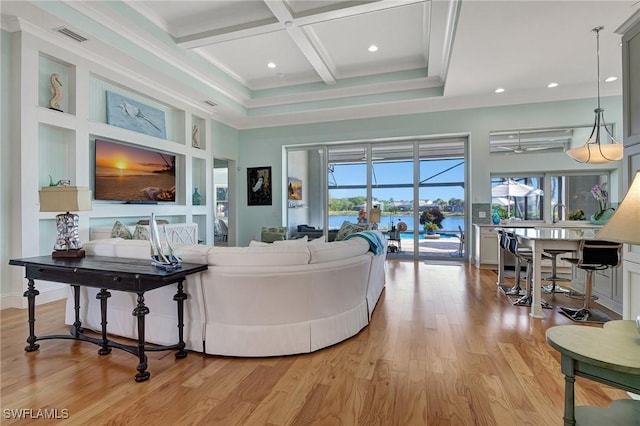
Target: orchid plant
(599,192)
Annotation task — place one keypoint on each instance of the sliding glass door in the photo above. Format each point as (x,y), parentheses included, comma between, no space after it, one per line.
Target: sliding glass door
(418,186)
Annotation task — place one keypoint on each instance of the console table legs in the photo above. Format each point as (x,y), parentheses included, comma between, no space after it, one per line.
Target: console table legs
(569,399)
(102,296)
(180,297)
(31,294)
(77,325)
(140,311)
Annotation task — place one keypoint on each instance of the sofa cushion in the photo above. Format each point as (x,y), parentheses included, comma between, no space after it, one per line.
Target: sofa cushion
(320,240)
(104,247)
(133,249)
(191,253)
(254,243)
(271,255)
(336,250)
(299,241)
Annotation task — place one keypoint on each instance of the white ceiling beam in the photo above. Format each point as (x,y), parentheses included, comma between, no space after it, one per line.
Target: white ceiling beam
(284,14)
(348,9)
(281,11)
(235,32)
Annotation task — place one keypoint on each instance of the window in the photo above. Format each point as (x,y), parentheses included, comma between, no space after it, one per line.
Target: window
(552,196)
(518,197)
(571,194)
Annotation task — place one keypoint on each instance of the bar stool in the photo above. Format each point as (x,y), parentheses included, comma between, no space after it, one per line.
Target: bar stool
(554,278)
(515,290)
(594,255)
(525,254)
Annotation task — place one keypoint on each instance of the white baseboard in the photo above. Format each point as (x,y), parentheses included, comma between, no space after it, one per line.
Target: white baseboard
(49,294)
(12,301)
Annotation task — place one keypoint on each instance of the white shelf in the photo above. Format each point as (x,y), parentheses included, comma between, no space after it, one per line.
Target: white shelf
(57,118)
(62,142)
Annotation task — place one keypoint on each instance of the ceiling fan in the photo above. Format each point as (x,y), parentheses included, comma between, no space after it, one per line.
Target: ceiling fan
(523,150)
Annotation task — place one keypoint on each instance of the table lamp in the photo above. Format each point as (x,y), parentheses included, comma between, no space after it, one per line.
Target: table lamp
(69,199)
(624,225)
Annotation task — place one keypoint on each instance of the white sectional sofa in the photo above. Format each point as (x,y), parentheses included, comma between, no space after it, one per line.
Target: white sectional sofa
(284,298)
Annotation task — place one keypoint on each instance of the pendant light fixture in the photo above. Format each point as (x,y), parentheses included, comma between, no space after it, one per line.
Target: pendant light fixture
(593,151)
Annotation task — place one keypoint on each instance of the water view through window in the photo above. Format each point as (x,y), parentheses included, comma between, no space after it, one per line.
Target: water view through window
(418,187)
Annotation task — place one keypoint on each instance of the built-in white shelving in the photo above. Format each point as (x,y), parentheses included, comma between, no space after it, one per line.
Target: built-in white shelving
(65,142)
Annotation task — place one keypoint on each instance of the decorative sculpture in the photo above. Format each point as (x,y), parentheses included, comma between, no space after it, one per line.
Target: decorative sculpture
(167,261)
(56,84)
(195,136)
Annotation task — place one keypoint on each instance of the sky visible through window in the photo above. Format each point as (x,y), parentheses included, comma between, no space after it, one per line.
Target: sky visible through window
(400,173)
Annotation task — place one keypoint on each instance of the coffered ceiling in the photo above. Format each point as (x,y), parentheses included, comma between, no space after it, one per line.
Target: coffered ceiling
(431,55)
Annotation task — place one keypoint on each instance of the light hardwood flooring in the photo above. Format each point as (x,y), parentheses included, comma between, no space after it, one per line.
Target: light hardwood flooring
(444,347)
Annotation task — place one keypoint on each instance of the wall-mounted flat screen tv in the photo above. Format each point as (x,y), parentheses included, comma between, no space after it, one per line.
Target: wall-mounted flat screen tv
(133,174)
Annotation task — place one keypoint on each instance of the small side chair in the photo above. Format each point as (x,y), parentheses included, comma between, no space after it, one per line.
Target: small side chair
(270,234)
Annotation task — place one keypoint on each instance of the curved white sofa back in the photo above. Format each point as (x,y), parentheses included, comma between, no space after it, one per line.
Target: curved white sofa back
(285,298)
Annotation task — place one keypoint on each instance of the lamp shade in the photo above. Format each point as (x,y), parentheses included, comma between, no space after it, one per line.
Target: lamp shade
(65,199)
(597,153)
(624,225)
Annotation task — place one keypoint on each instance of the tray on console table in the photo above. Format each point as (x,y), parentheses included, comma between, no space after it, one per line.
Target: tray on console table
(106,273)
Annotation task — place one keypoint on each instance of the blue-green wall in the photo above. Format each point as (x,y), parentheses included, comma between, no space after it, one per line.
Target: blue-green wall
(264,147)
(6,94)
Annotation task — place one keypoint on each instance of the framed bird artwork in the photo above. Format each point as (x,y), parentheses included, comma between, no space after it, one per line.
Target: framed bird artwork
(259,189)
(133,115)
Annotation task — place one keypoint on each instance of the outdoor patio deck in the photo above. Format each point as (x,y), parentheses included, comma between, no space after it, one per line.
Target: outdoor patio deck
(447,246)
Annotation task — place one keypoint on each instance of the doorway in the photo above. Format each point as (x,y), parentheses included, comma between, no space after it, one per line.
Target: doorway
(221,196)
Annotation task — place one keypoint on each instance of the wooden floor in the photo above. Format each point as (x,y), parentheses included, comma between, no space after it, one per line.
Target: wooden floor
(444,348)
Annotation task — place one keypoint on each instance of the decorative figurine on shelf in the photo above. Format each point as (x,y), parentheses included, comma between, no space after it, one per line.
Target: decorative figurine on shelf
(61,182)
(495,217)
(196,198)
(56,84)
(195,136)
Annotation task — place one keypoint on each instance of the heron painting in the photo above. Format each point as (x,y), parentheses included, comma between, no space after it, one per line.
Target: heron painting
(133,115)
(259,186)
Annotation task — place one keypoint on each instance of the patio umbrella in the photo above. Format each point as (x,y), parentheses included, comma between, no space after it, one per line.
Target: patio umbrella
(510,188)
(502,201)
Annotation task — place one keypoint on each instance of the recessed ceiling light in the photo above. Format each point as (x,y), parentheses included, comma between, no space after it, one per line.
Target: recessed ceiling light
(499,90)
(552,85)
(373,48)
(610,79)
(271,65)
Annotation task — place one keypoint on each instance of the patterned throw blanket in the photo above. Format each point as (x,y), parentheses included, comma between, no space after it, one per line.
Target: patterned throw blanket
(376,245)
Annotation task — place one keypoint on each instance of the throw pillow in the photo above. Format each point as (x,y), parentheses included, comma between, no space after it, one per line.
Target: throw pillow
(350,228)
(140,233)
(120,230)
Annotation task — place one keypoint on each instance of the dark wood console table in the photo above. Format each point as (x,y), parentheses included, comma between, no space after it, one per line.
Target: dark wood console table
(609,355)
(107,273)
